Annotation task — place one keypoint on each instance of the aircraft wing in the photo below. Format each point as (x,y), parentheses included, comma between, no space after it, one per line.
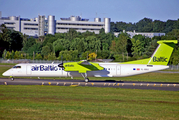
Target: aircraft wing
(82,66)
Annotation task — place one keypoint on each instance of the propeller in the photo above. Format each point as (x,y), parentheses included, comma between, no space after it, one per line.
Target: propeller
(61,64)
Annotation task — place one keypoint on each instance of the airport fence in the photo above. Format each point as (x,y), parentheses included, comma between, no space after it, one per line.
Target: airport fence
(30,61)
(174,67)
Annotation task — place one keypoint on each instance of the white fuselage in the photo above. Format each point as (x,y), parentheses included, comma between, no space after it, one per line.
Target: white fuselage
(110,70)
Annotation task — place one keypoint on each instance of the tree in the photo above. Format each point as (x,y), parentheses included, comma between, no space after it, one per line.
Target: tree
(49,39)
(46,51)
(137,48)
(17,55)
(81,46)
(10,39)
(75,55)
(41,38)
(8,55)
(175,56)
(38,56)
(145,25)
(12,54)
(71,34)
(158,26)
(84,55)
(92,56)
(120,45)
(93,43)
(144,43)
(61,44)
(121,26)
(86,34)
(67,55)
(35,48)
(151,49)
(113,27)
(113,46)
(16,41)
(74,43)
(4,54)
(51,56)
(102,31)
(170,25)
(5,38)
(105,40)
(27,43)
(174,33)
(103,54)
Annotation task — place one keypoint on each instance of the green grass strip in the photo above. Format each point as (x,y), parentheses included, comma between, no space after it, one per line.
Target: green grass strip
(61,102)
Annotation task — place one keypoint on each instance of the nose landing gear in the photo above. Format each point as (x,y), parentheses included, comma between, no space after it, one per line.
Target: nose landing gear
(86,80)
(12,79)
(85,77)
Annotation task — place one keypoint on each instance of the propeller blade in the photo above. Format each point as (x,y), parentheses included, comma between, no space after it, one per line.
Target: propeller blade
(62,58)
(61,65)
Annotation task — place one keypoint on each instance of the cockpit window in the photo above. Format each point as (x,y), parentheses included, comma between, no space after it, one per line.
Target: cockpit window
(17,67)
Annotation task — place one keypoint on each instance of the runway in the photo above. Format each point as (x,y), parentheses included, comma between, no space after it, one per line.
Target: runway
(92,83)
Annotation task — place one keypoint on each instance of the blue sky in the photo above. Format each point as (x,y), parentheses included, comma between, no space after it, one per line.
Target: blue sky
(117,10)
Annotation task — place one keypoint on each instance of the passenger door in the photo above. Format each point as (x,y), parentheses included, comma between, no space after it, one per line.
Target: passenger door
(28,70)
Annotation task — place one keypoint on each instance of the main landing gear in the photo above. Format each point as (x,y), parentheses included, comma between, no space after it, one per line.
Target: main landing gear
(85,77)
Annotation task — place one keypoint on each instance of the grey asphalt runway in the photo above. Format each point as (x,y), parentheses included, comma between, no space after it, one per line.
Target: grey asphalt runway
(114,84)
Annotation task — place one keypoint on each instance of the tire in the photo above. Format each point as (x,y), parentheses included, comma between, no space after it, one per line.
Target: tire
(12,79)
(86,80)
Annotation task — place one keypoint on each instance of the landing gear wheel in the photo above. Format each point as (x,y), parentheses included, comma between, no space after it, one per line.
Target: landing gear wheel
(12,78)
(85,77)
(86,80)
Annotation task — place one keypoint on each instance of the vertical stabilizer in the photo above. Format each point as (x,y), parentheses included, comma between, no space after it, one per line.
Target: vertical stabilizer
(162,54)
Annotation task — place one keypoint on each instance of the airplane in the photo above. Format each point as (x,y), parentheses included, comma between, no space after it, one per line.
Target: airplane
(158,61)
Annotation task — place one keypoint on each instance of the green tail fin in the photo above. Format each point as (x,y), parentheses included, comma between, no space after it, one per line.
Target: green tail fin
(162,54)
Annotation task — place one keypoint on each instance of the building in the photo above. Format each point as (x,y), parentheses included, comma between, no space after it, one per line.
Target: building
(150,35)
(41,25)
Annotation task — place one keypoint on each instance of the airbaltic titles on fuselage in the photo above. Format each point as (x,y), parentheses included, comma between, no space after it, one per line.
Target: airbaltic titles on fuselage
(45,68)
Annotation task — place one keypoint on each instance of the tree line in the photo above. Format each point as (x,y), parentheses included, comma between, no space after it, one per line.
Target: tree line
(146,25)
(74,46)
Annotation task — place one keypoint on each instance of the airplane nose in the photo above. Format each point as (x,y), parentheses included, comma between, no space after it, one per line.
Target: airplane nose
(6,73)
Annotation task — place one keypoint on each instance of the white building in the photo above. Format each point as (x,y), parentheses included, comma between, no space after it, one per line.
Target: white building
(147,34)
(41,25)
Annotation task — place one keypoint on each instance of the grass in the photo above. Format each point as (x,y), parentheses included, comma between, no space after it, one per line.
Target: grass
(60,102)
(3,68)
